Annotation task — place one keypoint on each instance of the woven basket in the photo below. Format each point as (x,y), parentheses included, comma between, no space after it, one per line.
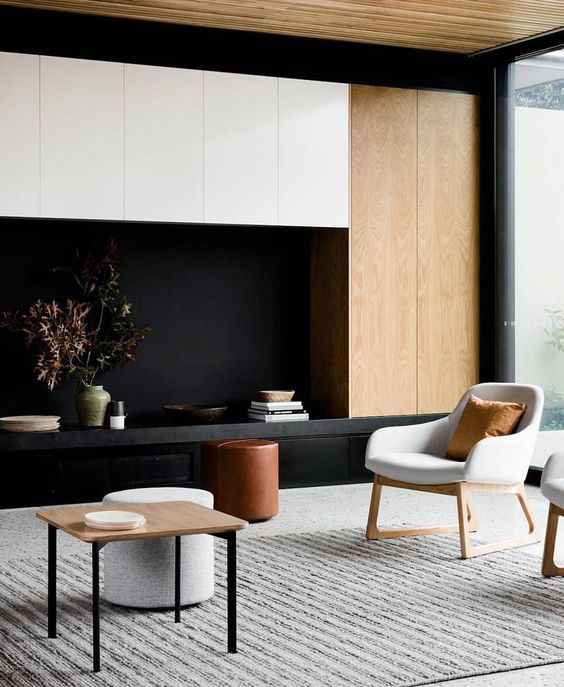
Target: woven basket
(275,396)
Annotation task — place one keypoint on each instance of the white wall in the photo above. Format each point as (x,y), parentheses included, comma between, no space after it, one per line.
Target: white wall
(539,241)
(547,443)
(539,252)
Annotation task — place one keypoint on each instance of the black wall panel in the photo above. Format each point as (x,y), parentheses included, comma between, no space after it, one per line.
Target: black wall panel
(229,310)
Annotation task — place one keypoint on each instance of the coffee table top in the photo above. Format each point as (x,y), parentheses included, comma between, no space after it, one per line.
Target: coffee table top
(164,519)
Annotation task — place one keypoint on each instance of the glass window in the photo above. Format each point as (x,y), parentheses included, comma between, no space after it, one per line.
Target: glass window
(539,236)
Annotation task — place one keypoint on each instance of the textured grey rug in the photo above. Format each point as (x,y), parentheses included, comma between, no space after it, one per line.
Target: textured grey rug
(315,610)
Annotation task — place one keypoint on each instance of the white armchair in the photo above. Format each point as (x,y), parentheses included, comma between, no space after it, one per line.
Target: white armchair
(552,487)
(413,457)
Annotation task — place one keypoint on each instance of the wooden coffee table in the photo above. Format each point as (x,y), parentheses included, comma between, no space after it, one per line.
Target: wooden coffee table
(164,519)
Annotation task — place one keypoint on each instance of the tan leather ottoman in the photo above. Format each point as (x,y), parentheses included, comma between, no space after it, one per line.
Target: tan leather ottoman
(242,474)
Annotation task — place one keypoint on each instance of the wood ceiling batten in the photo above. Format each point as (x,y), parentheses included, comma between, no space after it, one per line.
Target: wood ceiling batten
(461,26)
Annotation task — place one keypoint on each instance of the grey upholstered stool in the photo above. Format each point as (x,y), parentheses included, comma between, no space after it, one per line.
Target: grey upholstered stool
(141,573)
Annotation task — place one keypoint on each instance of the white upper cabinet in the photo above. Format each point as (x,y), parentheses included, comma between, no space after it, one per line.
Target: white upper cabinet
(100,140)
(82,147)
(164,145)
(314,153)
(19,134)
(240,149)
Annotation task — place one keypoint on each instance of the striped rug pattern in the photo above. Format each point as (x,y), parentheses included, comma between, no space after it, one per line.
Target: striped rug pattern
(315,610)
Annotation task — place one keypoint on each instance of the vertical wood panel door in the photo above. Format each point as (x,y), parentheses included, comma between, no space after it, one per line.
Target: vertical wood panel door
(314,153)
(448,206)
(82,151)
(383,251)
(240,149)
(164,144)
(19,135)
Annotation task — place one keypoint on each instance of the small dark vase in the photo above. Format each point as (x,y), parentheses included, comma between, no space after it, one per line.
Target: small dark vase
(91,405)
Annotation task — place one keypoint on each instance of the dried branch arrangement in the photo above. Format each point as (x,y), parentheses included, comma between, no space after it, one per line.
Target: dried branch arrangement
(84,336)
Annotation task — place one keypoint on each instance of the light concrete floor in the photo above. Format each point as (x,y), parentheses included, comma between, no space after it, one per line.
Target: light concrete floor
(325,508)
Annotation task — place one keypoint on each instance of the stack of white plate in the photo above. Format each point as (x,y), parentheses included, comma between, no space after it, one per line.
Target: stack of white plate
(114,520)
(30,423)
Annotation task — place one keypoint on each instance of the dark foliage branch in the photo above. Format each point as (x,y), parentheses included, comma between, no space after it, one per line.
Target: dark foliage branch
(86,335)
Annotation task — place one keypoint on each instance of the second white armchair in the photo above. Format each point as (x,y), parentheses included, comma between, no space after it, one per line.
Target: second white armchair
(552,487)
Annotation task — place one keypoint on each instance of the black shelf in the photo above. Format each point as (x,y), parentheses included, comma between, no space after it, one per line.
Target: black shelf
(77,465)
(73,437)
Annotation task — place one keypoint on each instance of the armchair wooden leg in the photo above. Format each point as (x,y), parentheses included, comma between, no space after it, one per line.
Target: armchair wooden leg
(467,549)
(374,532)
(467,518)
(473,520)
(463,525)
(371,526)
(549,567)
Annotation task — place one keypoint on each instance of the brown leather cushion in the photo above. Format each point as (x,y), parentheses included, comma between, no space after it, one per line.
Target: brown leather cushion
(481,419)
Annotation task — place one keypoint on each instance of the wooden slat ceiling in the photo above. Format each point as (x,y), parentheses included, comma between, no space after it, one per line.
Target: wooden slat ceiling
(453,25)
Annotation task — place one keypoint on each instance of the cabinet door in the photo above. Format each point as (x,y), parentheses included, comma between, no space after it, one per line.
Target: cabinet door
(19,134)
(314,153)
(447,248)
(81,138)
(383,251)
(313,461)
(163,144)
(240,149)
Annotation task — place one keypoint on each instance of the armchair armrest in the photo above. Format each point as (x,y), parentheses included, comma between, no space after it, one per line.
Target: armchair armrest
(428,437)
(501,460)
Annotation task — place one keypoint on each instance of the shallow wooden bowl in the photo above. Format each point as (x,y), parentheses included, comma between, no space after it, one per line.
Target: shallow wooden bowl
(193,413)
(275,396)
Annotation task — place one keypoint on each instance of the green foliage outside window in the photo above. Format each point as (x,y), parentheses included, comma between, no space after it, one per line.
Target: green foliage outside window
(546,96)
(553,415)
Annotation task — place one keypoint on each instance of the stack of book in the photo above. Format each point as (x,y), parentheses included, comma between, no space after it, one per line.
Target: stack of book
(281,411)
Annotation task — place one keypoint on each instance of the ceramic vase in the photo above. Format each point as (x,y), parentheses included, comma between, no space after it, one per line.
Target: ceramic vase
(91,405)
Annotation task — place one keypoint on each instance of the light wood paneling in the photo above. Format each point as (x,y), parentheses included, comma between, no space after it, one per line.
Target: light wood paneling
(383,247)
(461,26)
(448,201)
(329,323)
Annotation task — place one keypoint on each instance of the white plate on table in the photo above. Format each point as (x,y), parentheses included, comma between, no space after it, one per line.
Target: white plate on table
(114,520)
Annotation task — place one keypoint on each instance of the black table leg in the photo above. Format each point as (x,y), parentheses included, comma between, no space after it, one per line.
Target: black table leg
(96,605)
(52,582)
(232,592)
(177,556)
